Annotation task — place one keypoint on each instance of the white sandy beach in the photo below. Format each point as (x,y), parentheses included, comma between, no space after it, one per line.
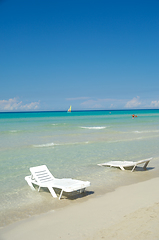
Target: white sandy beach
(130,212)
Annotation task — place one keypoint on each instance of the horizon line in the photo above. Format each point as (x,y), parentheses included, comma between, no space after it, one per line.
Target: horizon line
(88,110)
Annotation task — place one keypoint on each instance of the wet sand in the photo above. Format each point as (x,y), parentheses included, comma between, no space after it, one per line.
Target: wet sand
(129,212)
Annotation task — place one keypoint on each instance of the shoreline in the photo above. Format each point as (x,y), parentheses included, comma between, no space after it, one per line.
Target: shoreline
(47,203)
(106,216)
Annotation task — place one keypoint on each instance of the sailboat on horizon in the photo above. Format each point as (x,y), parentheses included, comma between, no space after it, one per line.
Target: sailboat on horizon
(69,110)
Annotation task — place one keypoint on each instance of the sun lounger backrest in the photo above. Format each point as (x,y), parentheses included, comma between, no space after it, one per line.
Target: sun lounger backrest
(41,174)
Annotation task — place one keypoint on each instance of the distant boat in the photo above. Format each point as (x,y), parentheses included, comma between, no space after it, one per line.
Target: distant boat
(69,110)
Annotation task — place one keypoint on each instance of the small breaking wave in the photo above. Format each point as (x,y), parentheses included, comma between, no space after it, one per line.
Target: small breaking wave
(13,131)
(60,144)
(96,128)
(45,145)
(148,131)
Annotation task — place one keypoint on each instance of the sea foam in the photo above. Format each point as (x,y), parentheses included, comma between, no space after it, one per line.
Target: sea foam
(93,127)
(148,131)
(44,145)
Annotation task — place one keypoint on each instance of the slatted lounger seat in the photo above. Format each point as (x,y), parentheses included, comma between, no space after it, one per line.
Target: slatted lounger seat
(125,164)
(42,177)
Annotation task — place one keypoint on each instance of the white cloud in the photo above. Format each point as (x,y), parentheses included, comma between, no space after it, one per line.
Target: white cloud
(13,105)
(133,103)
(155,104)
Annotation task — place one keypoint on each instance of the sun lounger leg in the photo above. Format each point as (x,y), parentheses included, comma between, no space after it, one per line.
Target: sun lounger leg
(29,183)
(121,167)
(145,165)
(82,190)
(61,194)
(133,168)
(52,192)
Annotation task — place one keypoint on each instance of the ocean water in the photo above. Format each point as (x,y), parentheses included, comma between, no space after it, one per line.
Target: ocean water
(71,145)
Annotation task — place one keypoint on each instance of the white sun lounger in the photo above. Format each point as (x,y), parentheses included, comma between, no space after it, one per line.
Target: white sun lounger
(124,164)
(42,177)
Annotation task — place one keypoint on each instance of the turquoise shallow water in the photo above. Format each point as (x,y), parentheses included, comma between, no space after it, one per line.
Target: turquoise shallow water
(71,145)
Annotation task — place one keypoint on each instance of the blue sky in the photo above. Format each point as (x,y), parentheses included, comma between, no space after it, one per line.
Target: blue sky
(86,53)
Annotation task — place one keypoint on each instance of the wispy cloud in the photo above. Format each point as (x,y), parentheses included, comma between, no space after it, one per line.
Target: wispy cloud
(134,103)
(155,104)
(77,98)
(13,104)
(100,103)
(91,104)
(112,103)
